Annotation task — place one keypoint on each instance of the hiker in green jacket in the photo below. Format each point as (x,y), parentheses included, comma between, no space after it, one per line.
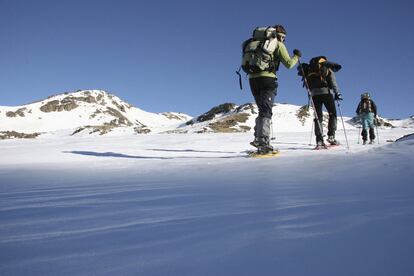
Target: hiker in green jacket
(264,85)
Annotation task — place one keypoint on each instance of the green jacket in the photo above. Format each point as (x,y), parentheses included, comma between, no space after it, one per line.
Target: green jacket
(280,55)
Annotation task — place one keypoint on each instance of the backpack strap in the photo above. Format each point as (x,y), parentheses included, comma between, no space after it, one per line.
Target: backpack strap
(240,78)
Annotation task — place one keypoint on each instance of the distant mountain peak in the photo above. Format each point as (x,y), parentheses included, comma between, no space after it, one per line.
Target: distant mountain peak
(86,112)
(69,101)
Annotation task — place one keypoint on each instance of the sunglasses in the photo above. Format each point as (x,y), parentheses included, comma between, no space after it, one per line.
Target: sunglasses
(281,37)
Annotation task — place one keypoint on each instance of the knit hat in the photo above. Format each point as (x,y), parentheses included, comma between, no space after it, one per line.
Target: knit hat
(280,29)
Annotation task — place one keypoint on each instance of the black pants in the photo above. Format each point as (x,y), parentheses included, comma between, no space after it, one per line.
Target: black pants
(371,134)
(264,90)
(328,101)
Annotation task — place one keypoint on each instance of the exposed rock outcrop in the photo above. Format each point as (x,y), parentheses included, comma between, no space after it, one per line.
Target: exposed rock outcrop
(15,134)
(18,112)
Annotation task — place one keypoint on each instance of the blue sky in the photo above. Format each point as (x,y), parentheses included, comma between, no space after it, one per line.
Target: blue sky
(182,55)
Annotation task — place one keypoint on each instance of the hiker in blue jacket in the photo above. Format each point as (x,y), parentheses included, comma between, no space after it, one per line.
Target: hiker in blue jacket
(367,112)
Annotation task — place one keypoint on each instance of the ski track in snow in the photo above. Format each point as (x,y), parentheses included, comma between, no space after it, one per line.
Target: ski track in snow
(181,205)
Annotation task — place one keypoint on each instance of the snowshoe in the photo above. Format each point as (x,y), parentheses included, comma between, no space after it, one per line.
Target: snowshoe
(265,149)
(261,154)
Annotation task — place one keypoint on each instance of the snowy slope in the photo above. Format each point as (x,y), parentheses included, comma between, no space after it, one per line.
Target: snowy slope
(404,123)
(193,204)
(85,109)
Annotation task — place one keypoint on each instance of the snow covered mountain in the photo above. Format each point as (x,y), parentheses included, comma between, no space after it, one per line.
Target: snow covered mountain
(96,112)
(404,123)
(229,117)
(232,118)
(83,112)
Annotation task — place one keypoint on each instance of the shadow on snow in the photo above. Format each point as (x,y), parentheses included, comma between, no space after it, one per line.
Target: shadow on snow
(121,155)
(191,150)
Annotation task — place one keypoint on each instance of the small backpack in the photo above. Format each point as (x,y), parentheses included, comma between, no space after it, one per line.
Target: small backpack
(258,51)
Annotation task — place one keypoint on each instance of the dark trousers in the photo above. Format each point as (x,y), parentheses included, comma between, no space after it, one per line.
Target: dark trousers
(364,134)
(328,101)
(264,90)
(367,120)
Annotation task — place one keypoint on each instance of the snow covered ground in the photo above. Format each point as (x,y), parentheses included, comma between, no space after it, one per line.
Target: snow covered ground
(194,205)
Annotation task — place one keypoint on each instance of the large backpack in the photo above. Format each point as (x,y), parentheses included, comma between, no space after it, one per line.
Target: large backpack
(317,73)
(258,51)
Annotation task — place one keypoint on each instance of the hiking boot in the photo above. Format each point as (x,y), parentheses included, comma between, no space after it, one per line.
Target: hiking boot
(331,140)
(320,145)
(260,142)
(255,143)
(265,149)
(364,142)
(372,142)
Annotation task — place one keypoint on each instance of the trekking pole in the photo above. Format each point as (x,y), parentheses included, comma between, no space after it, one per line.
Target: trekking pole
(310,96)
(376,126)
(310,141)
(343,124)
(271,128)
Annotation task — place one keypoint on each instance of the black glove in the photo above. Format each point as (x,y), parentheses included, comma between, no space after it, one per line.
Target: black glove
(296,52)
(338,96)
(332,65)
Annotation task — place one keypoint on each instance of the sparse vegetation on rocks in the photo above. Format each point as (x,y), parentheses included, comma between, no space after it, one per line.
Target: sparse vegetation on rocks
(221,109)
(229,123)
(15,134)
(171,116)
(101,130)
(121,119)
(142,129)
(58,106)
(246,107)
(18,112)
(303,113)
